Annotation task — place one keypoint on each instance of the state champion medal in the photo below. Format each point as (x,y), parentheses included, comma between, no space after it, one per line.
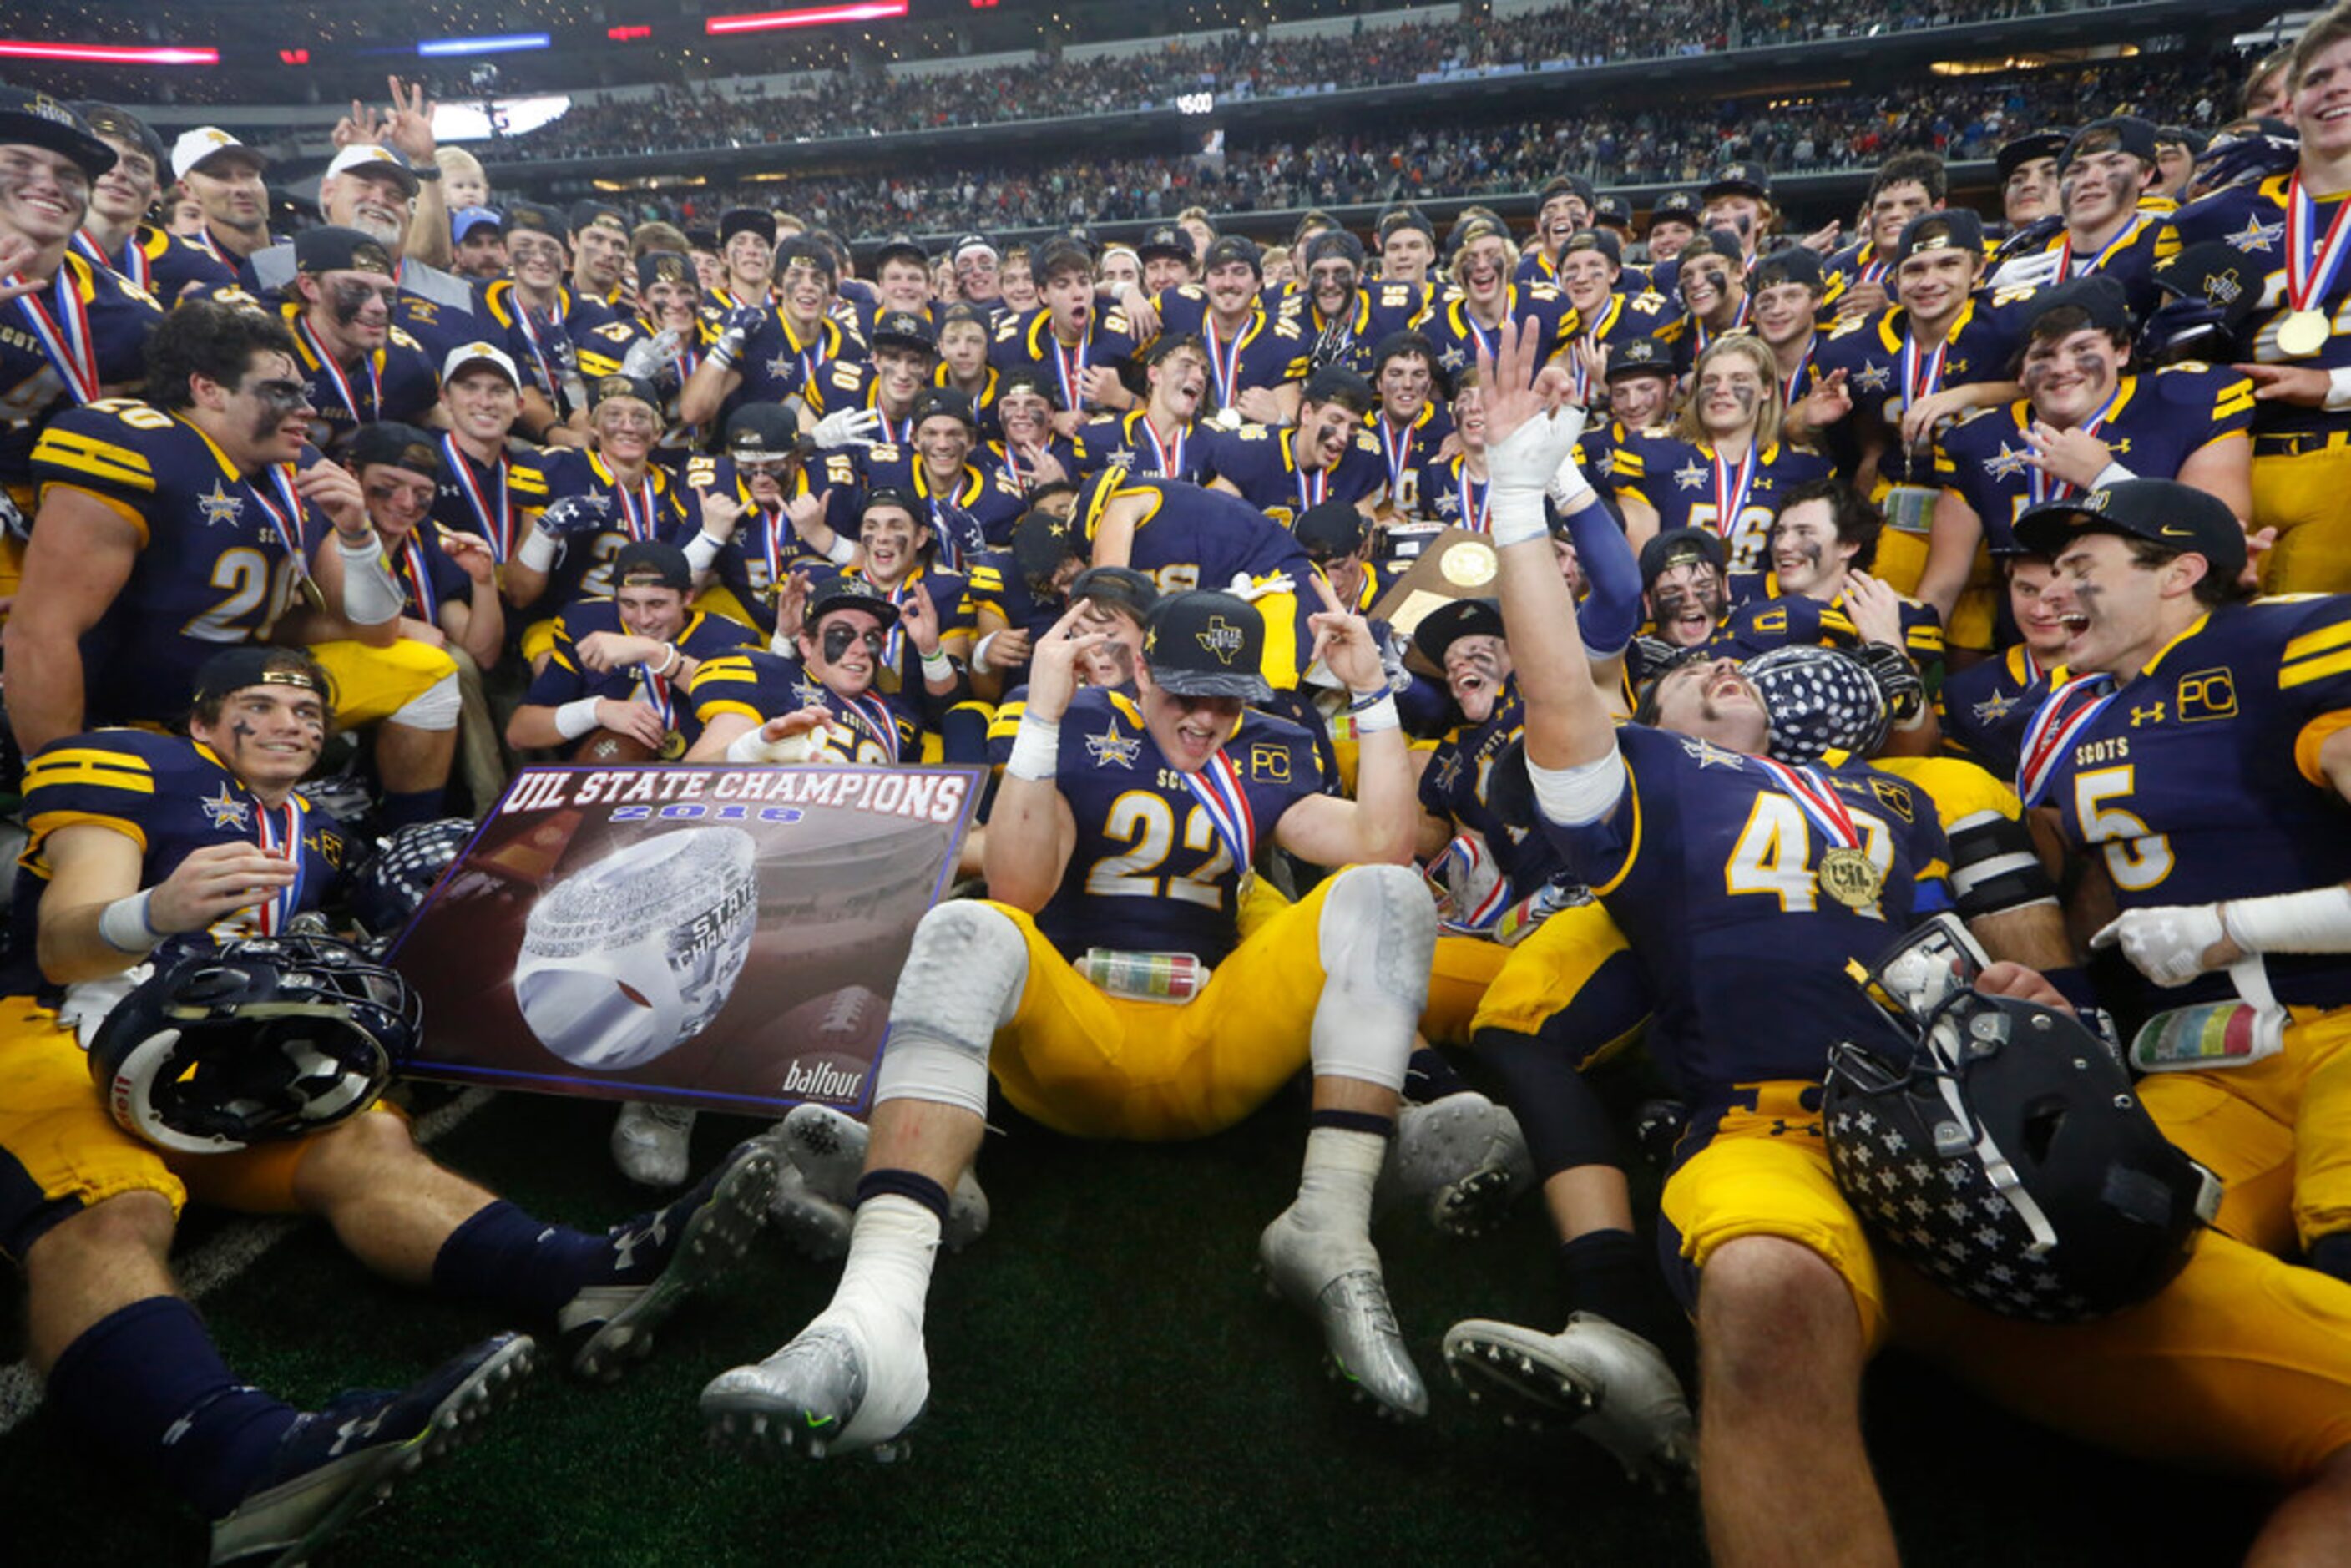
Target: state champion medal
(2302,334)
(1848,876)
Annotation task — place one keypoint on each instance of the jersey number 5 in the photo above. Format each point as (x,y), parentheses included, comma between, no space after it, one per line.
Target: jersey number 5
(2136,859)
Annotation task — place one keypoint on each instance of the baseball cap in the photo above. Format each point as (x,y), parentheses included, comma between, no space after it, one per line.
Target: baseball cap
(394,445)
(762,430)
(1042,542)
(2098,295)
(538,219)
(1120,585)
(809,249)
(1564,185)
(1168,241)
(1330,529)
(1207,644)
(747,220)
(1396,218)
(667,266)
(1790,264)
(1952,228)
(1337,383)
(649,563)
(606,388)
(943,402)
(1640,357)
(333,248)
(971,242)
(904,329)
(479,353)
(234,669)
(2196,141)
(1600,240)
(466,220)
(832,591)
(1681,206)
(2215,272)
(1613,211)
(112,120)
(1338,243)
(1452,620)
(367,158)
(1233,247)
(196,147)
(1680,546)
(2030,147)
(2125,132)
(2163,512)
(588,214)
(900,247)
(1738,180)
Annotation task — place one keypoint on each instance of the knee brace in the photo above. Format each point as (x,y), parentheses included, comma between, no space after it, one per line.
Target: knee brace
(1378,937)
(962,982)
(437,707)
(1994,867)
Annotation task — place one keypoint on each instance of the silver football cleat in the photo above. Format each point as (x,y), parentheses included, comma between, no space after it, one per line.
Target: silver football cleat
(840,1386)
(828,1149)
(1460,1160)
(1607,1383)
(649,1143)
(1334,1278)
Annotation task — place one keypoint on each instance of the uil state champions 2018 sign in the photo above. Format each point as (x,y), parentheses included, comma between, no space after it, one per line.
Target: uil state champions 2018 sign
(725,938)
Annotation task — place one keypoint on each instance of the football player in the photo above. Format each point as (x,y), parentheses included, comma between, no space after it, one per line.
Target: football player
(1858,281)
(1332,983)
(1161,439)
(447,581)
(963,366)
(1685,586)
(1167,259)
(965,508)
(1252,354)
(1069,336)
(978,275)
(90,328)
(481,397)
(1410,423)
(223,175)
(2103,174)
(1982,709)
(1788,290)
(902,278)
(1641,388)
(1329,456)
(2028,180)
(660,341)
(600,259)
(542,321)
(1711,275)
(1566,206)
(204,517)
(765,353)
(1486,303)
(1408,246)
(115,231)
(1451,492)
(1941,352)
(1722,464)
(2289,344)
(2177,148)
(1673,224)
(840,655)
(1738,197)
(905,349)
(1342,318)
(2086,420)
(780,525)
(357,363)
(146,846)
(1030,449)
(932,630)
(1789,1296)
(1591,270)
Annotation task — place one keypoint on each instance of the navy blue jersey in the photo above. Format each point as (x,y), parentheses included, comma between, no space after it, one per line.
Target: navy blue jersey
(478,498)
(565,678)
(654,507)
(950,596)
(756,685)
(1129,441)
(1261,462)
(1349,338)
(1872,350)
(778,362)
(1404,450)
(2153,426)
(1985,707)
(765,550)
(171,797)
(1627,317)
(983,396)
(1858,263)
(1454,786)
(395,381)
(1151,871)
(996,584)
(2249,218)
(540,342)
(999,457)
(2198,780)
(603,350)
(160,263)
(1775,619)
(118,316)
(857,384)
(440,309)
(974,513)
(1266,351)
(1689,485)
(1711,866)
(221,555)
(1191,537)
(429,577)
(1026,342)
(2128,258)
(1459,338)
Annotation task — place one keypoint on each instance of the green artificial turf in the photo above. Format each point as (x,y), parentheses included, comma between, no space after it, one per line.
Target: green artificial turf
(1110,1384)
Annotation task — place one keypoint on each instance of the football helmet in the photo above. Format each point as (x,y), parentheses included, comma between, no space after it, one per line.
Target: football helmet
(254,1040)
(392,886)
(1997,1146)
(1819,700)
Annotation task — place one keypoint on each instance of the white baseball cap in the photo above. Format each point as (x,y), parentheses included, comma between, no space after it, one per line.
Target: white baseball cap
(196,147)
(368,155)
(478,353)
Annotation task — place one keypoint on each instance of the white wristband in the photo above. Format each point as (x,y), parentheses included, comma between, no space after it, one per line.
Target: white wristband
(1036,748)
(979,654)
(702,550)
(537,550)
(574,719)
(1516,517)
(2339,390)
(2317,921)
(843,551)
(371,595)
(2112,473)
(793,749)
(1586,792)
(671,662)
(1382,714)
(125,927)
(938,667)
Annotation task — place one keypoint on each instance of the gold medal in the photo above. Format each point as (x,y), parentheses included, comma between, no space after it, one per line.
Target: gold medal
(1848,876)
(1227,419)
(312,595)
(672,746)
(2302,333)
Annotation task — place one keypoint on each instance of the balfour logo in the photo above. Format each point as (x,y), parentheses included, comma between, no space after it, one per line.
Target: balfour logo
(823,1078)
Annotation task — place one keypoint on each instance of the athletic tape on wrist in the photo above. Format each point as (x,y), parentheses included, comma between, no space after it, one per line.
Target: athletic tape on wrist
(1036,748)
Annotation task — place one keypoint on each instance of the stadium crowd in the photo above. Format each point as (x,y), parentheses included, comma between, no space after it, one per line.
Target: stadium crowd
(1881,671)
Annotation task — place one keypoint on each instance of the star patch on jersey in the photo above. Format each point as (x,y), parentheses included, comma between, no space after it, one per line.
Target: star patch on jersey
(1710,755)
(1453,358)
(1110,746)
(1447,503)
(220,506)
(2006,463)
(224,810)
(1994,708)
(1873,378)
(2256,235)
(1689,477)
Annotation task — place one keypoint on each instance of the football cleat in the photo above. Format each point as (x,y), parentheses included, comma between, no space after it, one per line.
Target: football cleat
(828,1149)
(333,1464)
(649,1143)
(1608,1383)
(661,1258)
(1460,1160)
(813,1224)
(1334,1278)
(852,1380)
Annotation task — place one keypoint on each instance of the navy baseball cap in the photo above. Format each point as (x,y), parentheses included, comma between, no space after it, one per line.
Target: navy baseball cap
(1207,644)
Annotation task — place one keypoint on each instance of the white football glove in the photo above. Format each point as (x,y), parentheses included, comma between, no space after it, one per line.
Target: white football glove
(1250,590)
(2166,944)
(847,427)
(648,357)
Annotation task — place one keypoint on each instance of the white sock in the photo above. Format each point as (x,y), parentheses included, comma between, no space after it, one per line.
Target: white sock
(891,1245)
(1334,1190)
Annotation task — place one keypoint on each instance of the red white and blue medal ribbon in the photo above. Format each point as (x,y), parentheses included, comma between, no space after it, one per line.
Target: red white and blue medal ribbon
(2049,738)
(1875,271)
(1217,788)
(2106,253)
(496,525)
(288,523)
(1476,500)
(1487,345)
(133,263)
(654,692)
(64,336)
(1398,449)
(527,319)
(418,570)
(1171,464)
(342,382)
(1922,373)
(875,716)
(1732,484)
(1312,486)
(274,913)
(636,521)
(1072,371)
(1817,800)
(1224,364)
(2044,486)
(1789,389)
(2310,264)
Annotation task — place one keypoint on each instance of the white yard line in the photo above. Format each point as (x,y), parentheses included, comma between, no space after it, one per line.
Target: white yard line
(221,1260)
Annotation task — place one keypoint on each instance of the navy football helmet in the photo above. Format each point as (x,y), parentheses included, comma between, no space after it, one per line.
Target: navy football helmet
(255,1040)
(391,887)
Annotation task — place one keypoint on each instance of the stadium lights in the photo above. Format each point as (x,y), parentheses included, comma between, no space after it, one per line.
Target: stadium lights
(108,54)
(807,16)
(493,43)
